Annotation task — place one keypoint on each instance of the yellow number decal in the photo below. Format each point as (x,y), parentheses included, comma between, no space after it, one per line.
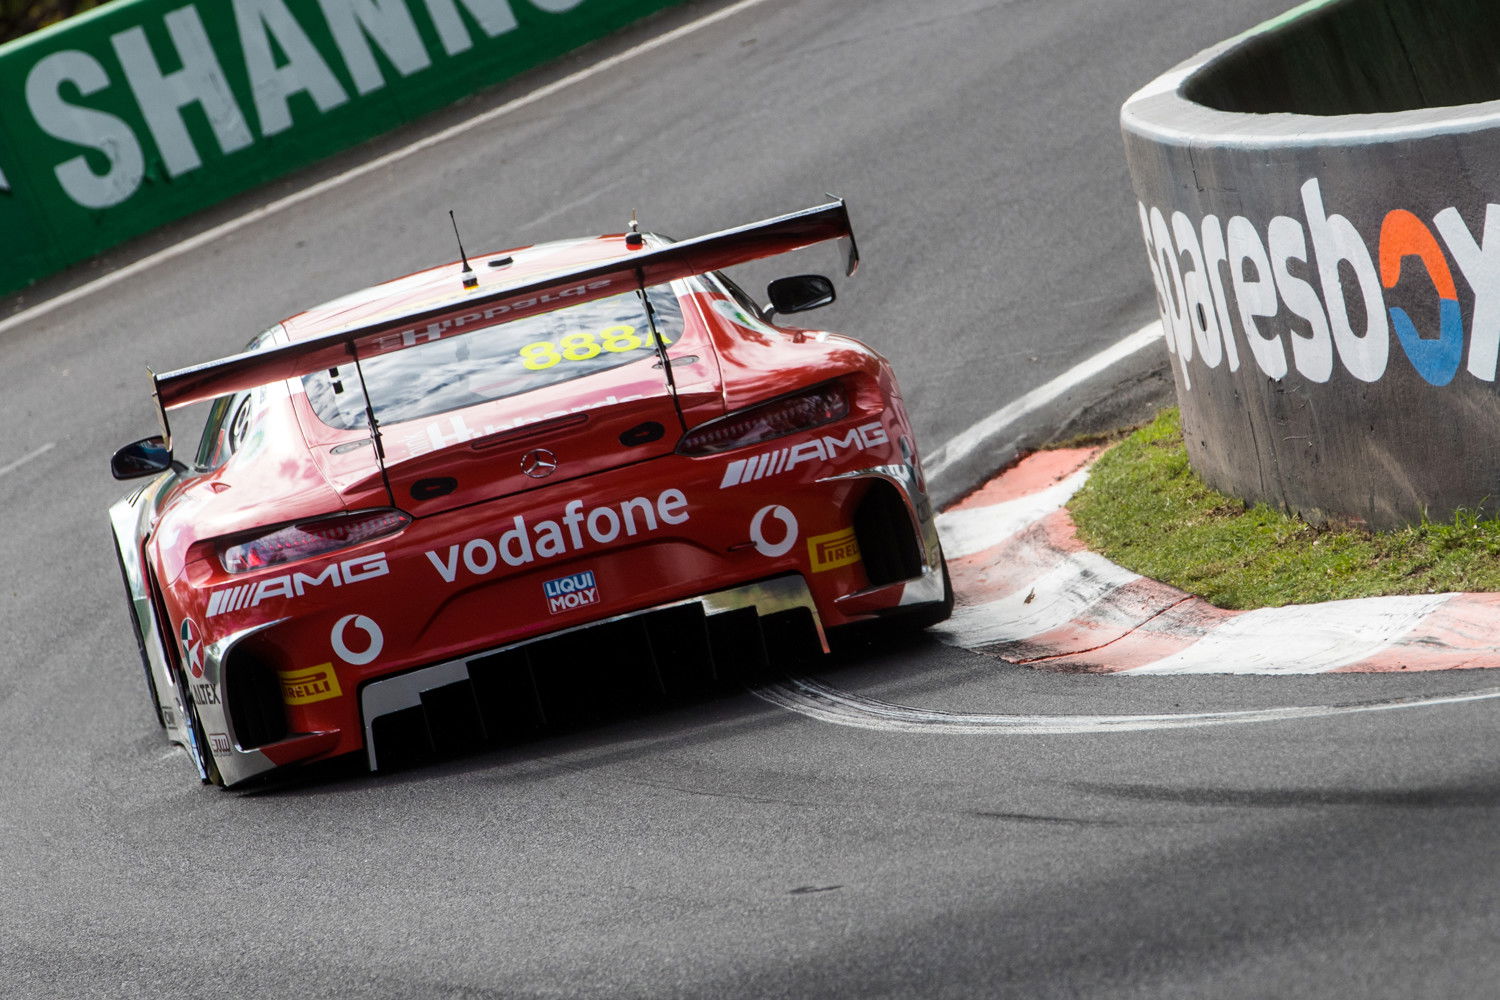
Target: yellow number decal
(540,356)
(545,354)
(580,346)
(620,338)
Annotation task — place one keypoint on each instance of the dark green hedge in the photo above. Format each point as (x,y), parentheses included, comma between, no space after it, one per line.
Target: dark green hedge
(20,17)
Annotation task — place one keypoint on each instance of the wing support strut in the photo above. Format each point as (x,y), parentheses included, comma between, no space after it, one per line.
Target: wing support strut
(374,422)
(661,352)
(161,410)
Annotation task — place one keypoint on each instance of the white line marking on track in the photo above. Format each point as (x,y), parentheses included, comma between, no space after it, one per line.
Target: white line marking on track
(13,466)
(966,442)
(975,529)
(1300,639)
(296,198)
(827,704)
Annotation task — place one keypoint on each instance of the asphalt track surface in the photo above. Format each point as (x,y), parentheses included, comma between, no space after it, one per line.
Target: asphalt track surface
(732,848)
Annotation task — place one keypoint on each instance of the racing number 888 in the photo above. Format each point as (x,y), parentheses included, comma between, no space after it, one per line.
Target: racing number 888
(544,354)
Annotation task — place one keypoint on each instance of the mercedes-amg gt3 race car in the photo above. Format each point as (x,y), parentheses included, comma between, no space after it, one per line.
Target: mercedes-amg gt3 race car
(415,510)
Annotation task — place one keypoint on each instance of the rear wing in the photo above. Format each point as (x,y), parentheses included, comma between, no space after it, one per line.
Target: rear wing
(476,311)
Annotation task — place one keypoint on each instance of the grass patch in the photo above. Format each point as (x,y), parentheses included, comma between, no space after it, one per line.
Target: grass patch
(1146,509)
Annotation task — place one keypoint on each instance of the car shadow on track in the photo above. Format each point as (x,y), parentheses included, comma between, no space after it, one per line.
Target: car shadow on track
(612,717)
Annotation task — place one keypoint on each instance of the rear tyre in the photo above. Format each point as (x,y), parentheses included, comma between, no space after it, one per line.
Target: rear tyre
(140,643)
(898,626)
(927,615)
(197,745)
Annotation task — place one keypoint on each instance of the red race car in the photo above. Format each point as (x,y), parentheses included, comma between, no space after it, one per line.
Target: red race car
(417,512)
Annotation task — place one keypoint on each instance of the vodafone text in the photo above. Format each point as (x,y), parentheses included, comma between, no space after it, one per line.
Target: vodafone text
(1209,317)
(573,531)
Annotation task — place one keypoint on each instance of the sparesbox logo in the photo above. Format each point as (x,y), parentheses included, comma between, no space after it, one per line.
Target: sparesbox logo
(1223,285)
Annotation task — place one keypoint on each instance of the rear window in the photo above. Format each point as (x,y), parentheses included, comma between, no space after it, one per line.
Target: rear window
(498,361)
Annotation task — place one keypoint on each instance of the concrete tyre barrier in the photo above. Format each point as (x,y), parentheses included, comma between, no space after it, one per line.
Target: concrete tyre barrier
(1318,201)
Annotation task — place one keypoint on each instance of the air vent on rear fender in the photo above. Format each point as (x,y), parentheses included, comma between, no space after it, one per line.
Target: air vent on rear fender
(643,434)
(431,489)
(887,536)
(253,692)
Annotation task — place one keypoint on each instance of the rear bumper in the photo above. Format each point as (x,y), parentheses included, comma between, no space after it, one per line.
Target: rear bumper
(672,647)
(494,694)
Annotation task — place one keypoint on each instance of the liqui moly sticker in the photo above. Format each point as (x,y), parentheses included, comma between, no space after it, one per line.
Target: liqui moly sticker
(568,593)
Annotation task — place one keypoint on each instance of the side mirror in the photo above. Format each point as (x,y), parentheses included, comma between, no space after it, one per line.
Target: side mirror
(800,293)
(141,458)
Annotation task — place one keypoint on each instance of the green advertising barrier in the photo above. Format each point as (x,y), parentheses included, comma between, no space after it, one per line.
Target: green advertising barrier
(144,111)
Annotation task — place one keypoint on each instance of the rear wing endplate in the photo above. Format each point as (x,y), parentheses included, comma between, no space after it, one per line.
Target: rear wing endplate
(487,308)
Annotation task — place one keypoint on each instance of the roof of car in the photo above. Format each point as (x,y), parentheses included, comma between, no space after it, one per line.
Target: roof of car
(443,284)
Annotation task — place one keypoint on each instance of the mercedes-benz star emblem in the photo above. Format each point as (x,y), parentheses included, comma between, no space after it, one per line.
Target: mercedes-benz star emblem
(538,463)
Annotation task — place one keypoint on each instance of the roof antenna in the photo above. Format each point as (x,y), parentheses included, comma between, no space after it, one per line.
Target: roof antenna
(634,237)
(471,280)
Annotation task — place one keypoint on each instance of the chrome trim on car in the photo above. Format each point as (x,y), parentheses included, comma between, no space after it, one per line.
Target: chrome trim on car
(234,764)
(928,587)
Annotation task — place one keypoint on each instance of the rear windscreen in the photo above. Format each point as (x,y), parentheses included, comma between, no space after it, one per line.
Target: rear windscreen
(497,361)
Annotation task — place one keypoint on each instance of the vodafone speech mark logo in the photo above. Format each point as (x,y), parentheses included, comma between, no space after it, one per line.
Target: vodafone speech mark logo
(1283,291)
(781,539)
(192,647)
(369,648)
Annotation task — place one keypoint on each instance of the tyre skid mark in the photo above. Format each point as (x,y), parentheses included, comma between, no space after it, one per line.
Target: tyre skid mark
(819,701)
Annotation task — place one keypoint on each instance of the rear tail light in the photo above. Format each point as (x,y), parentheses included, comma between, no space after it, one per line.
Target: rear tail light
(306,539)
(778,418)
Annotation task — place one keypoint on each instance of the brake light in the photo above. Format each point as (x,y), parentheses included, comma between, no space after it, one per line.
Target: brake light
(778,418)
(309,538)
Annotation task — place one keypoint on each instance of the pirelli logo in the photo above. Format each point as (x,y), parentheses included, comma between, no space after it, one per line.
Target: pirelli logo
(832,551)
(303,687)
